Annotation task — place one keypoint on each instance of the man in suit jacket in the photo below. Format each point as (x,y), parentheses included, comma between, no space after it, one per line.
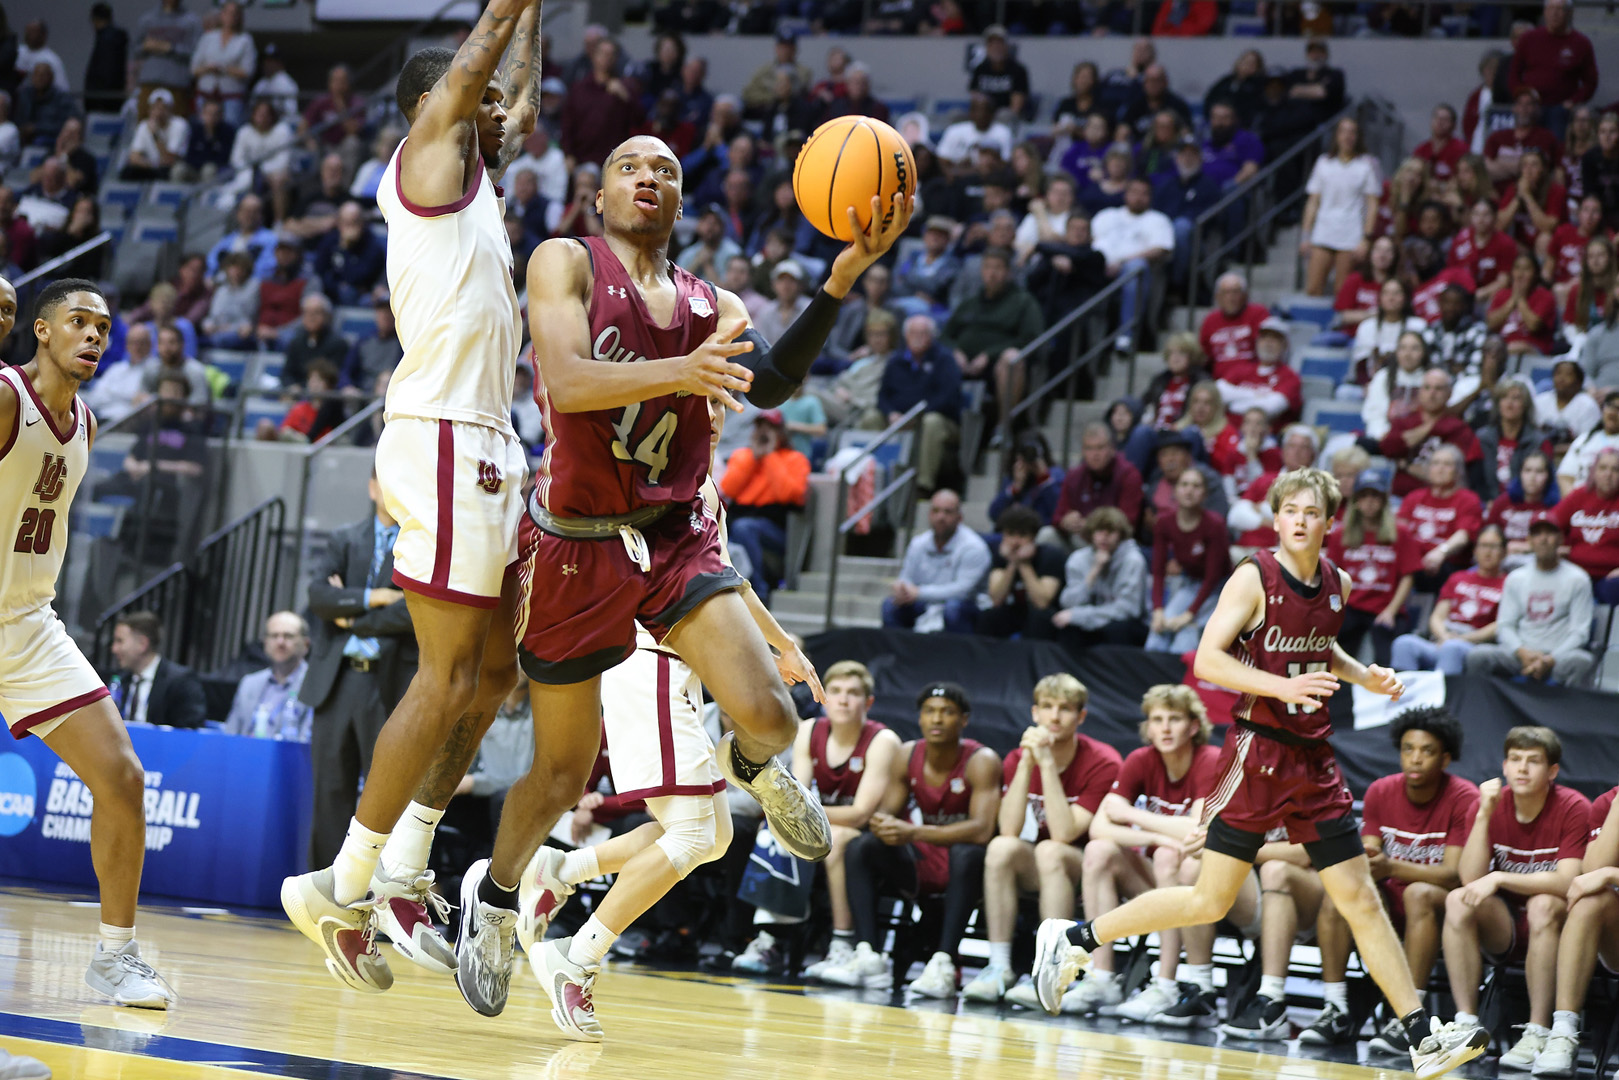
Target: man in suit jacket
(361,660)
(149,689)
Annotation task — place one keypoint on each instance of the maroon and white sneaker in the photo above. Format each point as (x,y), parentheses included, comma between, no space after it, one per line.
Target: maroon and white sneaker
(345,933)
(402,914)
(569,987)
(540,895)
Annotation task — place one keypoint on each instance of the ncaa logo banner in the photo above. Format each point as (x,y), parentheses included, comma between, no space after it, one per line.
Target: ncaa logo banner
(226,817)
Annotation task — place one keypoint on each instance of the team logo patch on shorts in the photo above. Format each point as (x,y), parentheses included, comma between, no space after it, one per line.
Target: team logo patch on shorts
(700,306)
(489,477)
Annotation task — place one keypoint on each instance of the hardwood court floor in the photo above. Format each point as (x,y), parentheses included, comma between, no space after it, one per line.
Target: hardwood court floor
(256,1001)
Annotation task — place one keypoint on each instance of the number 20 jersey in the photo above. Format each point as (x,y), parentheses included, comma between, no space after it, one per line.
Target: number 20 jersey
(1296,636)
(40,470)
(655,452)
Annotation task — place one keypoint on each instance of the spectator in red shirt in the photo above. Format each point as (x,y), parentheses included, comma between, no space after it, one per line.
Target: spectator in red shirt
(1557,61)
(1589,516)
(1230,332)
(1413,438)
(281,294)
(1587,301)
(1266,382)
(1564,252)
(1190,559)
(1165,397)
(342,111)
(1528,496)
(1251,517)
(1524,313)
(1534,205)
(1464,614)
(1503,150)
(1414,825)
(1133,848)
(1103,478)
(1442,150)
(1246,451)
(602,109)
(1521,856)
(1357,296)
(1483,252)
(1051,756)
(1381,558)
(1443,517)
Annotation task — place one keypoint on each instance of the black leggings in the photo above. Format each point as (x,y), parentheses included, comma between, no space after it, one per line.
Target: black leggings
(869,864)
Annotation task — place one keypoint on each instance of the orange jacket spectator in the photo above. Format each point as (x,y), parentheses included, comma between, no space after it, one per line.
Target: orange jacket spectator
(778,477)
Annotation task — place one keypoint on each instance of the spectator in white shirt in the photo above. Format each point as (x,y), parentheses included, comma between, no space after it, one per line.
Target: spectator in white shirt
(33,50)
(263,148)
(545,160)
(223,63)
(116,392)
(1341,211)
(1047,219)
(10,137)
(1132,237)
(961,140)
(160,141)
(1376,338)
(1575,468)
(1566,405)
(276,85)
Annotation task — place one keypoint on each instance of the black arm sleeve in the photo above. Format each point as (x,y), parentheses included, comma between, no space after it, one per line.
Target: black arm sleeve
(779,369)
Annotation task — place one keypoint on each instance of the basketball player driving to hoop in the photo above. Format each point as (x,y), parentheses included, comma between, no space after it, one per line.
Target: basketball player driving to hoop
(450,469)
(1273,638)
(629,347)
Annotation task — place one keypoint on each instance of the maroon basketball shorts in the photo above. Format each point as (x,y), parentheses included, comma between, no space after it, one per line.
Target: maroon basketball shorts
(1265,783)
(579,600)
(1518,951)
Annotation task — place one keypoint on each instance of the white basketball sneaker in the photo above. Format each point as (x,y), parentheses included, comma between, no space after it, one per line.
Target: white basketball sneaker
(838,953)
(569,988)
(345,933)
(988,986)
(402,914)
(867,969)
(540,895)
(15,1067)
(938,979)
(1150,1003)
(127,979)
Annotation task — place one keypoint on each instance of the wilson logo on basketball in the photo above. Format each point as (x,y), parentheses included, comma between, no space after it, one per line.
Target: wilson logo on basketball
(489,477)
(52,475)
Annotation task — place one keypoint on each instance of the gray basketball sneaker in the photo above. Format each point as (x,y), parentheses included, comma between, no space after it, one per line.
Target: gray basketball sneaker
(796,819)
(16,1067)
(485,949)
(127,979)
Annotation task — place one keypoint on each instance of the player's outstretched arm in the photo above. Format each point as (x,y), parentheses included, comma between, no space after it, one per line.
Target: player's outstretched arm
(1241,603)
(779,368)
(574,381)
(522,89)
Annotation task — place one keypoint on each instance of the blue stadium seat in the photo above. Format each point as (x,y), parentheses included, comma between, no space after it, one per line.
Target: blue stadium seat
(898,107)
(945,107)
(116,228)
(121,194)
(232,362)
(32,156)
(269,366)
(1538,367)
(104,125)
(156,232)
(108,459)
(97,520)
(355,323)
(168,196)
(1337,417)
(1326,365)
(1314,309)
(262,409)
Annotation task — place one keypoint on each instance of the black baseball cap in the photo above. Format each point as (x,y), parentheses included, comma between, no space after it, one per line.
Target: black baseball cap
(951,692)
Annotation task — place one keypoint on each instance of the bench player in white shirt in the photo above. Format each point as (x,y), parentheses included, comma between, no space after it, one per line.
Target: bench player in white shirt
(450,469)
(47,688)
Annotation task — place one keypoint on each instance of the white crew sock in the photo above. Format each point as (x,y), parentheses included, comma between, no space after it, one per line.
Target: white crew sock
(1273,987)
(1566,1023)
(1101,978)
(1467,1018)
(1000,955)
(580,865)
(1336,994)
(591,943)
(356,862)
(1167,986)
(1199,975)
(114,938)
(405,855)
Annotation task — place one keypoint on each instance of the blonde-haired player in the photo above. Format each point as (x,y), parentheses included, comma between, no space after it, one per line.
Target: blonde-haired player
(47,687)
(658,750)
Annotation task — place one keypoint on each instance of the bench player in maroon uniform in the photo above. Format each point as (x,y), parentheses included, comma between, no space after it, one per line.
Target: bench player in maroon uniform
(1590,933)
(852,790)
(1523,854)
(1414,825)
(954,786)
(1273,637)
(629,348)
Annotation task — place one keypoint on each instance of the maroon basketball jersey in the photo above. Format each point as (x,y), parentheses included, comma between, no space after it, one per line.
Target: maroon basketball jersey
(948,802)
(1296,636)
(837,784)
(652,453)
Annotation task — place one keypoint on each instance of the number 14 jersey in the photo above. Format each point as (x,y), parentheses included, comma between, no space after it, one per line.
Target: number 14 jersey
(40,470)
(655,452)
(1296,635)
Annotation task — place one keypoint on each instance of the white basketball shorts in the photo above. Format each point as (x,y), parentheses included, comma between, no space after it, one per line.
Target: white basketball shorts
(44,678)
(456,491)
(652,710)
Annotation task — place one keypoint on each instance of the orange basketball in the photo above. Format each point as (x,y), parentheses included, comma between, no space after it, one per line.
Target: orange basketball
(844,163)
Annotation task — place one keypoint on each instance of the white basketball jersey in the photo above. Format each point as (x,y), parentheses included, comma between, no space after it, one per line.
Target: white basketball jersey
(40,470)
(450,284)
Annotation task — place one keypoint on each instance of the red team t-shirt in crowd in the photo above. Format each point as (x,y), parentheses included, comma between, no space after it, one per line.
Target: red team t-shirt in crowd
(1591,524)
(1257,492)
(1442,161)
(1143,778)
(1474,599)
(1486,261)
(1568,252)
(1447,429)
(1375,568)
(1204,554)
(1523,226)
(1508,144)
(1171,401)
(1085,782)
(1280,377)
(1357,293)
(1228,458)
(1418,834)
(1544,305)
(1599,812)
(1433,519)
(1228,340)
(1425,303)
(1513,517)
(1559,831)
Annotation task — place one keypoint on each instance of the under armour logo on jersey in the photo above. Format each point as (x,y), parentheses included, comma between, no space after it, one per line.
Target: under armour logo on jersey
(489,477)
(52,475)
(570,568)
(618,291)
(1267,770)
(1273,599)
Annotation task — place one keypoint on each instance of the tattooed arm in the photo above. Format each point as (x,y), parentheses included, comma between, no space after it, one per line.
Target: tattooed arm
(522,89)
(435,164)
